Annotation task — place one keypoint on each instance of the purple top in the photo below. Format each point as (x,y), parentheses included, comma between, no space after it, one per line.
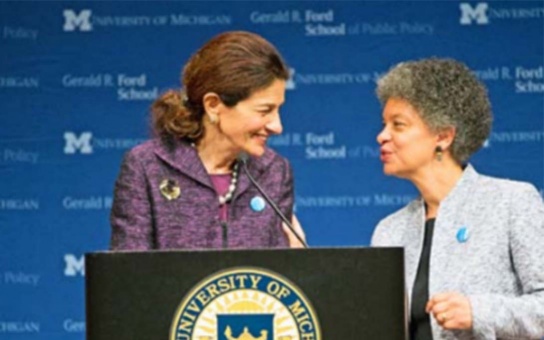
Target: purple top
(221,183)
(184,214)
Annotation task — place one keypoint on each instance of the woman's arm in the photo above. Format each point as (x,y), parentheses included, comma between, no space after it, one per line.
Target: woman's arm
(285,201)
(501,316)
(294,242)
(131,220)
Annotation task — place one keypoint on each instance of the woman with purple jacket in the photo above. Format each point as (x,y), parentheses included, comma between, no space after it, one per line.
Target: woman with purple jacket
(185,189)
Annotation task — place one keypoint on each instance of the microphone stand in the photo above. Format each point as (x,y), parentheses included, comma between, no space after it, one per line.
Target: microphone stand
(243,157)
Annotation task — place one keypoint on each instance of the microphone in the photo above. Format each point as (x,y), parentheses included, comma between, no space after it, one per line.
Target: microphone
(243,158)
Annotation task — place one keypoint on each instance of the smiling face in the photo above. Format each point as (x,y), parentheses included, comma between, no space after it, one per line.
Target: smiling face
(248,124)
(407,143)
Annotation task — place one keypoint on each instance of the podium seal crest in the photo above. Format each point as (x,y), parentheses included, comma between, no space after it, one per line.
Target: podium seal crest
(245,303)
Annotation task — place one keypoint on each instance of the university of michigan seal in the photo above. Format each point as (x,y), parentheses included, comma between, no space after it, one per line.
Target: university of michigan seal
(245,303)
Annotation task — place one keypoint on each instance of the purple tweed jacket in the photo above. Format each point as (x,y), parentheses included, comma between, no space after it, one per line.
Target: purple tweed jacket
(142,218)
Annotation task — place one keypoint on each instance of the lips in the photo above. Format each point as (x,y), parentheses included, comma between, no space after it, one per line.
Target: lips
(261,137)
(385,155)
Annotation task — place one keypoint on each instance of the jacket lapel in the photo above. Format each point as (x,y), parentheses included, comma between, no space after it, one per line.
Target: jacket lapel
(181,156)
(445,250)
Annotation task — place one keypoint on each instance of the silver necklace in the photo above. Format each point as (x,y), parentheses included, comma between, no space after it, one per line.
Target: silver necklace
(232,187)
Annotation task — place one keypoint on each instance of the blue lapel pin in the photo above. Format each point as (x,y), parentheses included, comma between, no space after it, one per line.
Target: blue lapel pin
(462,235)
(257,204)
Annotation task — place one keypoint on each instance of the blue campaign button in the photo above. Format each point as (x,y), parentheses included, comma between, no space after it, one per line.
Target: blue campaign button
(257,204)
(462,235)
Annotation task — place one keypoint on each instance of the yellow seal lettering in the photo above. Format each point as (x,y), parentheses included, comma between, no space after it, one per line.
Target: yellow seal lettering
(231,281)
(193,307)
(224,285)
(297,309)
(303,319)
(308,336)
(189,316)
(284,292)
(273,288)
(212,290)
(203,298)
(255,280)
(277,290)
(241,280)
(185,326)
(306,326)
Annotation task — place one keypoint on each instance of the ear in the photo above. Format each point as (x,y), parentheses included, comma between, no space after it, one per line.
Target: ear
(212,106)
(445,137)
(212,103)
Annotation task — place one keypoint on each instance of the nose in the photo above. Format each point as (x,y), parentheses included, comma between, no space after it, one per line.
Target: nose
(274,125)
(383,136)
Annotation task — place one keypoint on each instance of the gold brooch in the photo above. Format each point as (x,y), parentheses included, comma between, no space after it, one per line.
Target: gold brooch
(169,189)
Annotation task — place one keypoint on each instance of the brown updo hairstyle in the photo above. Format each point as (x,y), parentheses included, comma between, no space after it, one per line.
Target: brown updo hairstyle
(233,65)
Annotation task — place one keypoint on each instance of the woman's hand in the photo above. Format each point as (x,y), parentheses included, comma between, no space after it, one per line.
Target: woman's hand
(293,240)
(451,310)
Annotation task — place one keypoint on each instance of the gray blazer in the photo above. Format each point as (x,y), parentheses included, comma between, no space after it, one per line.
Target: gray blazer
(500,268)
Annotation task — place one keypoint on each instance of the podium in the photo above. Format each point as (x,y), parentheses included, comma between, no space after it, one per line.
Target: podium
(273,294)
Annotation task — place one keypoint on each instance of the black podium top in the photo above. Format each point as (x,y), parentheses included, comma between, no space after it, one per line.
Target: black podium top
(318,293)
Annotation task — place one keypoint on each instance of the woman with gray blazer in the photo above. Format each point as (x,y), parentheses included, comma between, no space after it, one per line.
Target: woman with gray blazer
(474,245)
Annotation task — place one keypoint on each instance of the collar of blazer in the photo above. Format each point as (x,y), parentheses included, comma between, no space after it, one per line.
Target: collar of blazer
(182,156)
(456,211)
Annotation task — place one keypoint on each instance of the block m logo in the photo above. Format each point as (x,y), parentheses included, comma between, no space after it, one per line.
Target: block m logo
(73,143)
(72,21)
(74,265)
(470,14)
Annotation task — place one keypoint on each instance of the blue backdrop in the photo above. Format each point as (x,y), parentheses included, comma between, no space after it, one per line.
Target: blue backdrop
(77,79)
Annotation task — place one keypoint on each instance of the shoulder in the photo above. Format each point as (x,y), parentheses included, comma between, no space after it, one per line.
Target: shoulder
(402,214)
(272,157)
(271,161)
(143,157)
(146,149)
(149,152)
(505,201)
(134,157)
(506,189)
(392,225)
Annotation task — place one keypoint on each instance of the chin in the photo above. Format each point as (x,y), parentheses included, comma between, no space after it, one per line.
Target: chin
(255,151)
(399,173)
(389,170)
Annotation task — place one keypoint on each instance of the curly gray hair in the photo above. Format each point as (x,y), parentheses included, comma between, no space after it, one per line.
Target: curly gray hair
(446,94)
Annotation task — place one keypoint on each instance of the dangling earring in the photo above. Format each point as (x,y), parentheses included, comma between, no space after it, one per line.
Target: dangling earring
(439,153)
